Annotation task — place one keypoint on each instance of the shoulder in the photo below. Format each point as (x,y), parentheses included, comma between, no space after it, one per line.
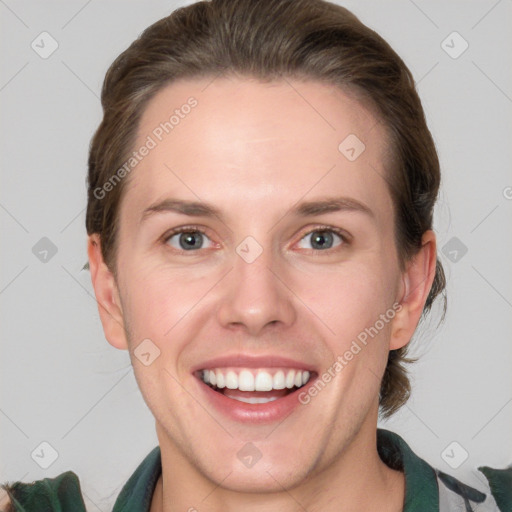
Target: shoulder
(455,495)
(428,488)
(49,494)
(500,486)
(63,492)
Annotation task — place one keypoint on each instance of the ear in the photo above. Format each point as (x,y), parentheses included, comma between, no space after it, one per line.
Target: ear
(107,295)
(417,280)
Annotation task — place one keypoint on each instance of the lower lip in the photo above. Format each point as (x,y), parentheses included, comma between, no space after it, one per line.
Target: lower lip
(276,410)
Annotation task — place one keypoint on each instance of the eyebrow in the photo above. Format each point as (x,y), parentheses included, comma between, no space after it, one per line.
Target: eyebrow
(191,208)
(304,209)
(329,205)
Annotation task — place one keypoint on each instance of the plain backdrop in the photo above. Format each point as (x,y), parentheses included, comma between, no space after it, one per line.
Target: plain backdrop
(63,384)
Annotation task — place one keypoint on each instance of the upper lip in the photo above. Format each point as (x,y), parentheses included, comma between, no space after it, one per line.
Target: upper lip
(248,361)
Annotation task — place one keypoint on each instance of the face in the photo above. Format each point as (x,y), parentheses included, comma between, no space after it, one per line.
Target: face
(256,251)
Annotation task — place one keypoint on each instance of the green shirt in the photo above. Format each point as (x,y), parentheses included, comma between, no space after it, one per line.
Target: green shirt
(426,489)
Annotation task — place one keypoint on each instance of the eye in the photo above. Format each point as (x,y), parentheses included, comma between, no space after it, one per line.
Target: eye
(187,239)
(322,239)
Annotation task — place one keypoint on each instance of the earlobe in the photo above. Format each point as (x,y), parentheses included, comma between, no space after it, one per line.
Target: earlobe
(417,281)
(107,295)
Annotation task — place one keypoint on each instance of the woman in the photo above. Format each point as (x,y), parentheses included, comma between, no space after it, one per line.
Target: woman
(260,200)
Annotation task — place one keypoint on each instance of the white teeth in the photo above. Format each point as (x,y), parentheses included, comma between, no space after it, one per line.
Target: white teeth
(278,381)
(290,380)
(254,400)
(246,379)
(263,381)
(232,380)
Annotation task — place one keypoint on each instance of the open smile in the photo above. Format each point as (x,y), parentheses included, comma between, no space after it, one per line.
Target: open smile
(254,394)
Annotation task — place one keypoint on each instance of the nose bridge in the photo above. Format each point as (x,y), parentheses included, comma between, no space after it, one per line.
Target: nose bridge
(255,297)
(252,266)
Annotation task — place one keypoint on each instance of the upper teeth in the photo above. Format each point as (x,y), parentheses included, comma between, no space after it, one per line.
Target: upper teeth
(246,379)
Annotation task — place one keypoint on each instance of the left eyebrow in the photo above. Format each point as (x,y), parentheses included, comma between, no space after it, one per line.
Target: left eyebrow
(329,205)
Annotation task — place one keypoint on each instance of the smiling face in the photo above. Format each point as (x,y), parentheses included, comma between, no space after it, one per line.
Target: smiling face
(287,259)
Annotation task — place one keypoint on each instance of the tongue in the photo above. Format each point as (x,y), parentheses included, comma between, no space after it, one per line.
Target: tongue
(275,393)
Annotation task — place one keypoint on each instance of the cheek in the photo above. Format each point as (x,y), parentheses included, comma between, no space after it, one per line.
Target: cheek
(356,308)
(161,307)
(163,303)
(350,298)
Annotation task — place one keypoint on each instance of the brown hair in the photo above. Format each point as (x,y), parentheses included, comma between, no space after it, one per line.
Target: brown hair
(268,40)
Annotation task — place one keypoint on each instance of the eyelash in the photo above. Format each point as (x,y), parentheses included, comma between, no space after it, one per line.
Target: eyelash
(345,239)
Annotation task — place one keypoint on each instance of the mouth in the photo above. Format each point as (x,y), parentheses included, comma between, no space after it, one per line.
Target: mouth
(255,386)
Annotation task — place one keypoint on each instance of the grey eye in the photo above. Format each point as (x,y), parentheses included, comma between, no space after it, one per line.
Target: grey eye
(321,239)
(188,240)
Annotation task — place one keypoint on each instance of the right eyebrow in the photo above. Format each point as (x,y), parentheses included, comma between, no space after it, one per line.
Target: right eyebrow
(191,208)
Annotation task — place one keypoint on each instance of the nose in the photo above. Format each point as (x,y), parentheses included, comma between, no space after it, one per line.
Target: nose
(255,296)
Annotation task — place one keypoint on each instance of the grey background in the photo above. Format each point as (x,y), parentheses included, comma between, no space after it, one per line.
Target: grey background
(62,383)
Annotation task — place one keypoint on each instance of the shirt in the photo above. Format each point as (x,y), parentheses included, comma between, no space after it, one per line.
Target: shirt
(426,489)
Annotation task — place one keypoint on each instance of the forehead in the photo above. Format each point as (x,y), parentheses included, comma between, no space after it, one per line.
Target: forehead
(242,139)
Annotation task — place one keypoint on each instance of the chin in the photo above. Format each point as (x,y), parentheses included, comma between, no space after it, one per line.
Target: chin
(261,478)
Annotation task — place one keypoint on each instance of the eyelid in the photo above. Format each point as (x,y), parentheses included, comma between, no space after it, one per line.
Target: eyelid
(323,227)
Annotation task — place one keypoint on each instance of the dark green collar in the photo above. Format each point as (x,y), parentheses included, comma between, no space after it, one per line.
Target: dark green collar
(137,492)
(421,491)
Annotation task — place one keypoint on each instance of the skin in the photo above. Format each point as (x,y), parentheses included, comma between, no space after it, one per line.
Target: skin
(254,150)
